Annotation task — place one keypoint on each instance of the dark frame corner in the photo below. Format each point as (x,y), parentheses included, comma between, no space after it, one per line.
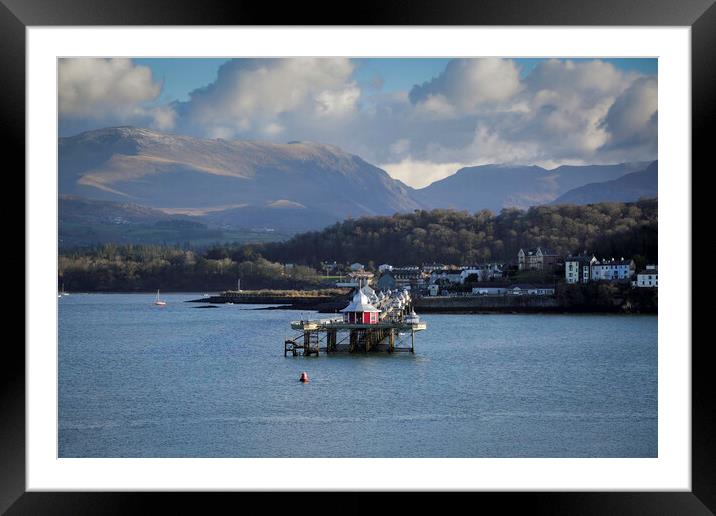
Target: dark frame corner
(700,15)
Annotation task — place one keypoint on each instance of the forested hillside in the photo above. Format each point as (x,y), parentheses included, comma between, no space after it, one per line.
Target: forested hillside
(460,237)
(451,237)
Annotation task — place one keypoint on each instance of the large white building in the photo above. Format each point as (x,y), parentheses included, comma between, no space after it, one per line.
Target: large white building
(583,269)
(613,270)
(446,275)
(483,272)
(648,278)
(577,269)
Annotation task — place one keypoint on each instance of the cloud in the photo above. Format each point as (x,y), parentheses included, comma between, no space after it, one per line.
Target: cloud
(467,84)
(110,91)
(265,95)
(631,121)
(477,111)
(97,88)
(163,117)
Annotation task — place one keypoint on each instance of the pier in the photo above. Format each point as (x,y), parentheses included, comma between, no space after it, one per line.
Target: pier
(372,322)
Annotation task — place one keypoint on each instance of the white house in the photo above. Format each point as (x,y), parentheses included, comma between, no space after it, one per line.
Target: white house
(577,269)
(612,270)
(483,272)
(385,267)
(450,275)
(648,278)
(531,290)
(489,290)
(357,266)
(408,277)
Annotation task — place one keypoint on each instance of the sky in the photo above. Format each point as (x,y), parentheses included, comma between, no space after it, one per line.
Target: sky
(420,119)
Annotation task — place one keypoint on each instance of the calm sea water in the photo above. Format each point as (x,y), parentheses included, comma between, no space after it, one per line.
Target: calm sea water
(137,380)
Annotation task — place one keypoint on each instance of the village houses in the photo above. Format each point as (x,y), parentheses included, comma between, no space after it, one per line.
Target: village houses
(585,268)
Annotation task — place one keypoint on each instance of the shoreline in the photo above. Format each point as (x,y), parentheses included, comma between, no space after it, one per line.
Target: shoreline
(506,306)
(425,305)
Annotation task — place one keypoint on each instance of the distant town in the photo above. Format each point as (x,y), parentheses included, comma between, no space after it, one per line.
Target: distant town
(499,279)
(538,280)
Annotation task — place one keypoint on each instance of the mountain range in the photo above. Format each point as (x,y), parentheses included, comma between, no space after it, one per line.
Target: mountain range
(495,187)
(629,187)
(141,176)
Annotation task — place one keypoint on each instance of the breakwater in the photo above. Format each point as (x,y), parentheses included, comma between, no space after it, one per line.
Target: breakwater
(326,304)
(438,304)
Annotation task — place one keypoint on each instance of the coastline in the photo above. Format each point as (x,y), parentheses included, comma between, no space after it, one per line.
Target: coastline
(422,305)
(444,305)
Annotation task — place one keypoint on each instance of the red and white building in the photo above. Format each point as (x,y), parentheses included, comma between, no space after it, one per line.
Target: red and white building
(360,310)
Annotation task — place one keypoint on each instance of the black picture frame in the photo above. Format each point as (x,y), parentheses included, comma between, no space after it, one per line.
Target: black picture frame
(16,15)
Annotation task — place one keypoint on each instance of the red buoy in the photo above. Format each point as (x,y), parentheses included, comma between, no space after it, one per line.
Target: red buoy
(304,377)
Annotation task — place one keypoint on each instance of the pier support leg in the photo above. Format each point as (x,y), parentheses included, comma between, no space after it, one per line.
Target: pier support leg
(331,341)
(391,340)
(412,341)
(353,341)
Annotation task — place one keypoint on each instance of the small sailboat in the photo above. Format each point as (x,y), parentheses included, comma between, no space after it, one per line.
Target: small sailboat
(158,301)
(63,291)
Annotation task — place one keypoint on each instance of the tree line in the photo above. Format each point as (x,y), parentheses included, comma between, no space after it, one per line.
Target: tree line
(127,268)
(444,236)
(463,238)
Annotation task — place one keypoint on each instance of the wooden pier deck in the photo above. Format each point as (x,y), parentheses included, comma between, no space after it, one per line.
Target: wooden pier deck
(331,336)
(371,322)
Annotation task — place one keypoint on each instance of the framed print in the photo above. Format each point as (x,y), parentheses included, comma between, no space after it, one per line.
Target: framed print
(415,251)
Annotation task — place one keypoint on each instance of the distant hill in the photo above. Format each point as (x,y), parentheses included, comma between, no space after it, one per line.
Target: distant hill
(289,218)
(495,187)
(84,222)
(144,177)
(460,238)
(77,210)
(630,187)
(157,170)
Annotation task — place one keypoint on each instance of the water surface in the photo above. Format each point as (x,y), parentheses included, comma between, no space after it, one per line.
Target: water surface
(137,380)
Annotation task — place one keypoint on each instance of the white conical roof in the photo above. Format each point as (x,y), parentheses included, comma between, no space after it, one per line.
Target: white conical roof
(360,303)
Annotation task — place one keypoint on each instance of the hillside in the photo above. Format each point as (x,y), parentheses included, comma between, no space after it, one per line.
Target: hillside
(462,238)
(450,237)
(181,173)
(84,222)
(630,187)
